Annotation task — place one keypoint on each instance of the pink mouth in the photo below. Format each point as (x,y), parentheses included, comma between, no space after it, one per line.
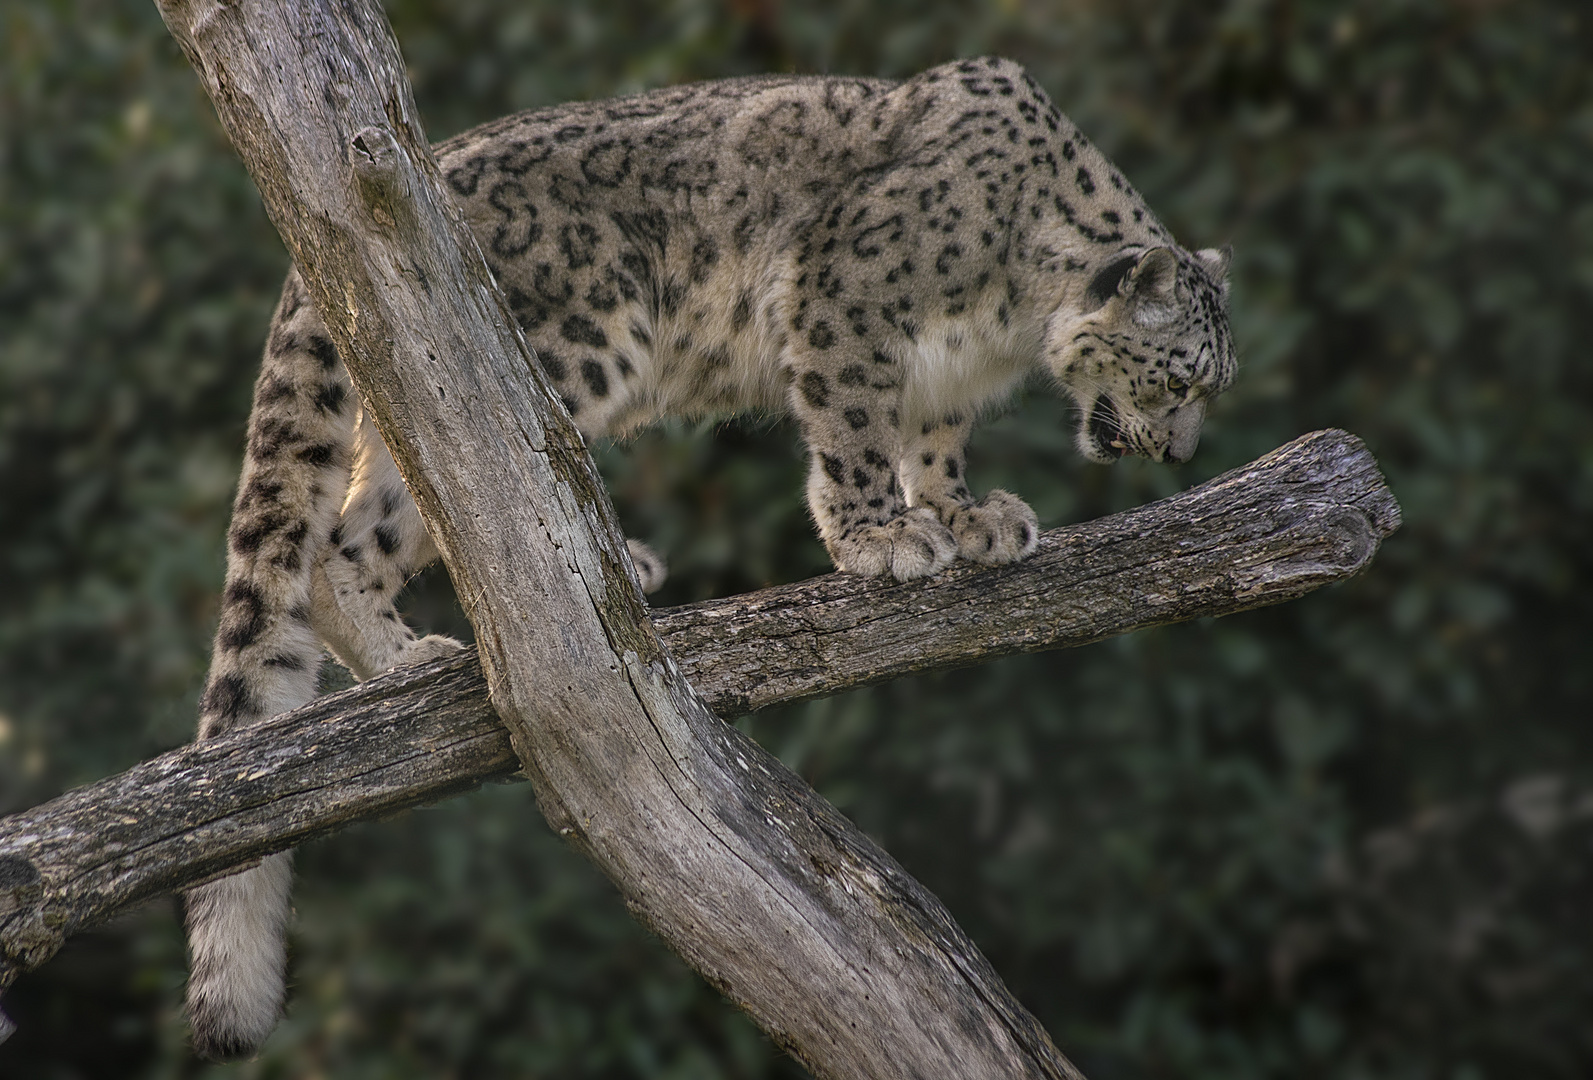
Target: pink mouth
(1103,429)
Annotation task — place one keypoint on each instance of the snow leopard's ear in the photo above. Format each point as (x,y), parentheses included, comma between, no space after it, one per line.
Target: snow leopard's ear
(1109,278)
(1151,288)
(1154,279)
(1216,261)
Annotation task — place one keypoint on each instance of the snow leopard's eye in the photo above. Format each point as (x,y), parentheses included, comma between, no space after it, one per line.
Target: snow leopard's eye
(1176,385)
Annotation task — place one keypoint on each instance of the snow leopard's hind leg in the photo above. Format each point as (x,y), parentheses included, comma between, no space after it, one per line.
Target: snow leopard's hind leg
(267,655)
(324,536)
(378,544)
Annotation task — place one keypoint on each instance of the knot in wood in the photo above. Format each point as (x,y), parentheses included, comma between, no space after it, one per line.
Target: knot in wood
(1327,543)
(379,165)
(20,884)
(15,872)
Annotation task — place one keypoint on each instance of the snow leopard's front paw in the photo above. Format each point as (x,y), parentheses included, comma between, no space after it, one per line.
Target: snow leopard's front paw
(912,546)
(999,528)
(651,570)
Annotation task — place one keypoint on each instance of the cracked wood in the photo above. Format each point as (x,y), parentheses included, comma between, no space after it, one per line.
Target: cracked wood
(754,880)
(1306,515)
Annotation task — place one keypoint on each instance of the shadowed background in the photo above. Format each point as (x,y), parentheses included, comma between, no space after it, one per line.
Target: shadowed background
(1351,837)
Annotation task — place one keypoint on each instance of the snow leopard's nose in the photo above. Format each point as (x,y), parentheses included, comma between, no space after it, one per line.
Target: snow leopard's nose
(1185,431)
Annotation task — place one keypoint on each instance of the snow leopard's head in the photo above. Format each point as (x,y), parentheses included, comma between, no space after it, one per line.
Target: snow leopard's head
(1145,351)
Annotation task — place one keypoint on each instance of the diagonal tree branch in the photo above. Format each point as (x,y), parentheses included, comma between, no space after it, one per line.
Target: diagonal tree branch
(760,885)
(1306,515)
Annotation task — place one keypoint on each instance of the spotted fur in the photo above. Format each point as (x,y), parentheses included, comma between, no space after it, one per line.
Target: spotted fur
(881,260)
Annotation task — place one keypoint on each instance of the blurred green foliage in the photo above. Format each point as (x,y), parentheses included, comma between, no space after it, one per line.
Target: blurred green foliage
(1348,837)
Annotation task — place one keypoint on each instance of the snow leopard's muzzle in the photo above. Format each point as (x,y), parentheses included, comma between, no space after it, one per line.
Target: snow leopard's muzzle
(1104,437)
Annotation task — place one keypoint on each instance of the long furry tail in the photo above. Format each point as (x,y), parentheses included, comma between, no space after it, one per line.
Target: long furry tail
(237,933)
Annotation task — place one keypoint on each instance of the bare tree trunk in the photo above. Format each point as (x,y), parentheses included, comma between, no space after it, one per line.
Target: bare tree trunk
(772,895)
(759,884)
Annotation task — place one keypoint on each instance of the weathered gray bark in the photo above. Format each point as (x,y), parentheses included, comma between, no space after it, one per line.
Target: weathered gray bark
(1305,515)
(774,897)
(1309,513)
(759,884)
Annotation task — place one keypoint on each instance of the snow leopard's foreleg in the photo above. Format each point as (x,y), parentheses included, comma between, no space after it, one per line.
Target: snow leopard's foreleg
(999,528)
(846,395)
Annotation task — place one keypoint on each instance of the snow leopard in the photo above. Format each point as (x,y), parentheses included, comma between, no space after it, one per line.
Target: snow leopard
(881,261)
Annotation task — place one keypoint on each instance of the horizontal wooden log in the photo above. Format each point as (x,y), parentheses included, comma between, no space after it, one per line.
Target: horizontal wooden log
(1308,514)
